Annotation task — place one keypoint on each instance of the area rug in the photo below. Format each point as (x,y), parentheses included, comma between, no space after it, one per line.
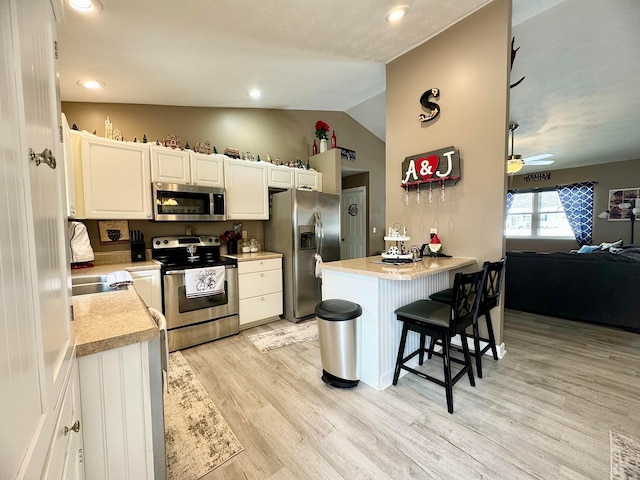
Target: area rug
(283,337)
(625,458)
(197,437)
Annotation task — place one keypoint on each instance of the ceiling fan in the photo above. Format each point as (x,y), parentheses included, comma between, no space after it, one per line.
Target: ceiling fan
(516,162)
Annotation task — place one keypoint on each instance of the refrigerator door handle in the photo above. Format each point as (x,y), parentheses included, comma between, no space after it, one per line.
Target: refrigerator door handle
(318,228)
(321,231)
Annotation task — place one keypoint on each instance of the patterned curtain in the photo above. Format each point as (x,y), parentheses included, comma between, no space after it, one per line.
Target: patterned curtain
(510,196)
(577,201)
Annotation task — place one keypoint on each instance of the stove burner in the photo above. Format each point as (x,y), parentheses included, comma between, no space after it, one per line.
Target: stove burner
(179,252)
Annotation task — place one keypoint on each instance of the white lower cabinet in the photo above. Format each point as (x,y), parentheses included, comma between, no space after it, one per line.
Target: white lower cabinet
(65,459)
(260,291)
(121,392)
(147,284)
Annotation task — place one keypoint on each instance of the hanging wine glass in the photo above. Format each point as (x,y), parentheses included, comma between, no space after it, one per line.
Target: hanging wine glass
(430,193)
(418,195)
(442,192)
(406,195)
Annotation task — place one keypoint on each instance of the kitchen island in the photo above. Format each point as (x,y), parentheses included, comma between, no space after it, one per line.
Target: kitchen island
(379,288)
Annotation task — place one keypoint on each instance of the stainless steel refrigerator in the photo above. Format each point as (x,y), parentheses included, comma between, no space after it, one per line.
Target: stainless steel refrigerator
(303,223)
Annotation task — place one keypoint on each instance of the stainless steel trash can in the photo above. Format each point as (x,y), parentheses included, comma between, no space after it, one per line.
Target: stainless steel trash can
(338,332)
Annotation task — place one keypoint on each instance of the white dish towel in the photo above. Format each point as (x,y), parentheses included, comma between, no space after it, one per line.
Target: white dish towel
(119,279)
(203,282)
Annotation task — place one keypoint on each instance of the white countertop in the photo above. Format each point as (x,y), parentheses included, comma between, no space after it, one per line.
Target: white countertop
(373,267)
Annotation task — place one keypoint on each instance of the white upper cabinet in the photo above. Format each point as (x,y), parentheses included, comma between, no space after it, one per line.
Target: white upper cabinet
(246,190)
(170,165)
(281,176)
(116,179)
(308,180)
(186,167)
(207,170)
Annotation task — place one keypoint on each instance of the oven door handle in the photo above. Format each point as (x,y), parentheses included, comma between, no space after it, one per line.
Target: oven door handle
(174,272)
(180,272)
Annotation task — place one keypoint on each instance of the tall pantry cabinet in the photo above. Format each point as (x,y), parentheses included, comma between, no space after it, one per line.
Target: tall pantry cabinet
(39,383)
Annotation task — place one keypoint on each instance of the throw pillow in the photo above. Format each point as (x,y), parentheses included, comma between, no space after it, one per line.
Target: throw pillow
(588,248)
(608,245)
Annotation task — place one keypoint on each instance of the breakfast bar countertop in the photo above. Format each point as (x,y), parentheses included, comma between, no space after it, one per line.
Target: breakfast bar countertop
(374,267)
(107,320)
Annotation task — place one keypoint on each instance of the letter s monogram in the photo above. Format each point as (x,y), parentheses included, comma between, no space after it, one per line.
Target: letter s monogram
(434,108)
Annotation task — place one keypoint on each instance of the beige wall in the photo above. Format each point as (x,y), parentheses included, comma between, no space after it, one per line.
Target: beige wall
(609,176)
(469,64)
(286,133)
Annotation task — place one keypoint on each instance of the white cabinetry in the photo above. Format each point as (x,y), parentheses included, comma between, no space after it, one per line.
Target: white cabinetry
(116,179)
(170,165)
(186,167)
(281,176)
(37,343)
(66,456)
(70,184)
(117,392)
(246,190)
(260,290)
(207,170)
(308,180)
(147,284)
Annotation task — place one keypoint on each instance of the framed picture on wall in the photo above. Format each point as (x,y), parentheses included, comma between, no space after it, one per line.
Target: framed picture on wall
(622,201)
(116,231)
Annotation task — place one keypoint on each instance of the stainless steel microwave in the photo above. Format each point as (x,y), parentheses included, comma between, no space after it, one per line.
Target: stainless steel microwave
(187,203)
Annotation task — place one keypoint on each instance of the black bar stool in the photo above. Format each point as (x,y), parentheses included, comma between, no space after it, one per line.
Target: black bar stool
(442,322)
(490,299)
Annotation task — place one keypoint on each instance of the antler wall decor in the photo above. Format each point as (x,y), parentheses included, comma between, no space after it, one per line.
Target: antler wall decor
(513,58)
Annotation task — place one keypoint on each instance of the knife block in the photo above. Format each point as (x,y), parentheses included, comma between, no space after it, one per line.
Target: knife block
(138,252)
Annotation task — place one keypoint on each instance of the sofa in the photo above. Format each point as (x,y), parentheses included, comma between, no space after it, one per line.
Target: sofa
(599,287)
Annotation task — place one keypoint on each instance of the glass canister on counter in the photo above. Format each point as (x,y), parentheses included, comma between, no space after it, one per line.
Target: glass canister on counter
(254,246)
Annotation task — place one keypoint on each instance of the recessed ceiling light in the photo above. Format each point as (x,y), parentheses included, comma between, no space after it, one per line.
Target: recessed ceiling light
(254,93)
(396,14)
(87,6)
(90,84)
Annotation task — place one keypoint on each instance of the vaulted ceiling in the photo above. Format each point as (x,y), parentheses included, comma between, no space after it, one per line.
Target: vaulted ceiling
(577,100)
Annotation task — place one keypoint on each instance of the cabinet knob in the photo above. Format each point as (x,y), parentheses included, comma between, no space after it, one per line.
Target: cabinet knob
(46,156)
(262,299)
(75,428)
(262,274)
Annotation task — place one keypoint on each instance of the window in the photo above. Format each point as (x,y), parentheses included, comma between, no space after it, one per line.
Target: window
(537,215)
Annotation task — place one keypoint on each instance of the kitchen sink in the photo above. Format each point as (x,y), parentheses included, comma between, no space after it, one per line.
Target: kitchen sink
(90,284)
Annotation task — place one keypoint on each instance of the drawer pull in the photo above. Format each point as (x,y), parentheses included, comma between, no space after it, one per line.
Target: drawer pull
(262,274)
(262,299)
(75,427)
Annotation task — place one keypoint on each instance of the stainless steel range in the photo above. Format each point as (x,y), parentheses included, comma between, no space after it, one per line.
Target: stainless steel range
(192,320)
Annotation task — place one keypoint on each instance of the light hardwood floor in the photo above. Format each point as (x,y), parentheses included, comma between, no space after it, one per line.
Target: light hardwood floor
(544,411)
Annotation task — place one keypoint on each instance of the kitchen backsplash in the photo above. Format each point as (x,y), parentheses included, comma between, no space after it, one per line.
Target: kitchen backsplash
(151,229)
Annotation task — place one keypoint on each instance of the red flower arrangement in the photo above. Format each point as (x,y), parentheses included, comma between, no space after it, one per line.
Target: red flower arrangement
(322,130)
(231,235)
